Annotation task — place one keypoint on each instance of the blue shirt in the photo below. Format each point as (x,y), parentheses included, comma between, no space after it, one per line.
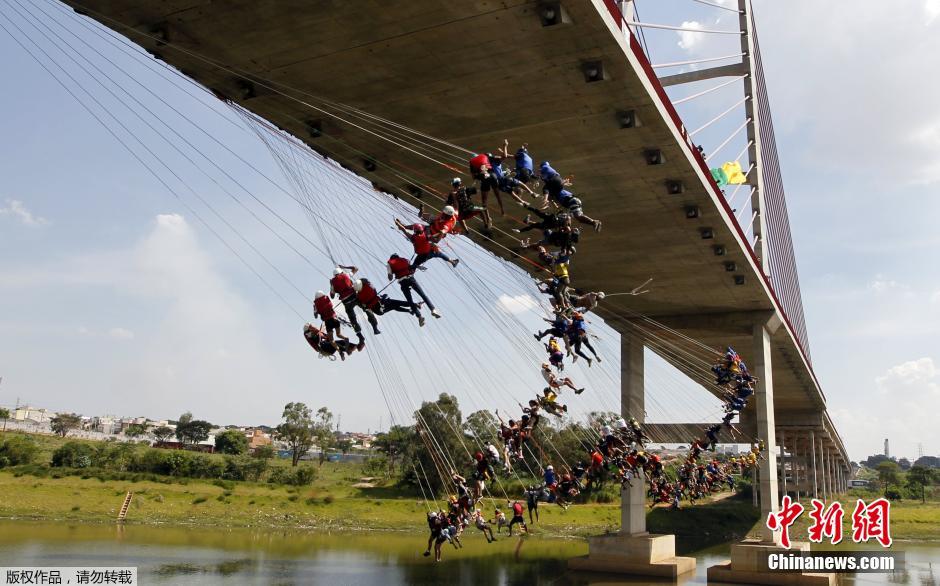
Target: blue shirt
(549,477)
(523,160)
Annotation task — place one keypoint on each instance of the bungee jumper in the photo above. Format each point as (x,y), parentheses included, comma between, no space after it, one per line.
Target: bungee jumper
(320,341)
(559,326)
(461,198)
(555,356)
(374,303)
(341,286)
(555,382)
(577,336)
(553,189)
(399,268)
(424,246)
(558,263)
(549,403)
(585,302)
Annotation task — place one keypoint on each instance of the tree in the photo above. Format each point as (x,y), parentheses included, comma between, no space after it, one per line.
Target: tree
(162,433)
(231,442)
(482,425)
(904,464)
(395,443)
(887,474)
(135,430)
(297,430)
(323,432)
(928,462)
(193,431)
(64,422)
(921,477)
(185,418)
(264,452)
(344,445)
(439,425)
(4,413)
(873,461)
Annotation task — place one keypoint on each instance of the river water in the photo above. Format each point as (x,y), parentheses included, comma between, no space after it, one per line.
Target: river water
(183,555)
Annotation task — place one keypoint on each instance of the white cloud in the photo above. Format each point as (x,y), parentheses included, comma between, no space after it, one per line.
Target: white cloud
(909,377)
(518,303)
(932,8)
(121,334)
(881,285)
(689,40)
(16,210)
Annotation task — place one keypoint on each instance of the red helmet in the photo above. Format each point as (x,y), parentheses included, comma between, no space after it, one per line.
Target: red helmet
(478,456)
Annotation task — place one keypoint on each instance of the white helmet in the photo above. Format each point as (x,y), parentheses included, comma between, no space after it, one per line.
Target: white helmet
(605,430)
(337,271)
(600,295)
(449,210)
(456,181)
(550,467)
(319,295)
(358,285)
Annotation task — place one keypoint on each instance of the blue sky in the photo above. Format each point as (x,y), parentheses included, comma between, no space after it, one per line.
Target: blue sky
(116,299)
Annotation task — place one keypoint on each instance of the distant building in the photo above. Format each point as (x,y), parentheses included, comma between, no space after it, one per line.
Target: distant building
(257,438)
(30,414)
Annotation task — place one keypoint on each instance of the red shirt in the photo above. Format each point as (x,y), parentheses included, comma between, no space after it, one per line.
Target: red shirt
(517,509)
(421,243)
(477,163)
(401,268)
(324,308)
(443,224)
(342,285)
(368,297)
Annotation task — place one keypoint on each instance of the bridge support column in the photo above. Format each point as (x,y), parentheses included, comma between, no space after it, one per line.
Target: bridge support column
(812,451)
(633,550)
(747,564)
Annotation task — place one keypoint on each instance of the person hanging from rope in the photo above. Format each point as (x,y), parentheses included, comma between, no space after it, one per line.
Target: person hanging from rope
(480,522)
(553,188)
(323,309)
(424,248)
(558,262)
(399,268)
(508,433)
(525,170)
(435,524)
(549,402)
(532,496)
(559,326)
(375,304)
(464,498)
(499,519)
(555,382)
(585,302)
(711,437)
(531,415)
(341,286)
(483,471)
(461,198)
(578,336)
(492,454)
(508,183)
(488,173)
(319,340)
(555,356)
(517,517)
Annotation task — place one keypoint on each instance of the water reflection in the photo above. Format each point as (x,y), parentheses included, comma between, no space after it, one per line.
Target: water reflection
(183,555)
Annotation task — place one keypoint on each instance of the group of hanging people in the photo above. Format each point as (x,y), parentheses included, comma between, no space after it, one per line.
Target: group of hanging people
(620,453)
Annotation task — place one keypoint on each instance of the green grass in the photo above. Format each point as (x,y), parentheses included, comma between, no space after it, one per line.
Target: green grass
(331,501)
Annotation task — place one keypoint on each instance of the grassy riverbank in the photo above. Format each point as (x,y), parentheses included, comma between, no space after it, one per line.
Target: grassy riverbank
(338,499)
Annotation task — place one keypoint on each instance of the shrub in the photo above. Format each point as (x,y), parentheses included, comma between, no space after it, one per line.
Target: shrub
(244,468)
(328,499)
(200,499)
(375,466)
(299,476)
(17,450)
(73,455)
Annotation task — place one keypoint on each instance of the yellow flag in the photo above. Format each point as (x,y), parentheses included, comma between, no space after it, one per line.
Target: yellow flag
(734,173)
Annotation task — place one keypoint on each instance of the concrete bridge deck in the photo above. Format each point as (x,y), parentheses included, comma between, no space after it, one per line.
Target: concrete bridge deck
(476,72)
